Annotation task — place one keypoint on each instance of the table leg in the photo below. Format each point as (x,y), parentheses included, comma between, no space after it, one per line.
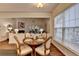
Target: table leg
(34,54)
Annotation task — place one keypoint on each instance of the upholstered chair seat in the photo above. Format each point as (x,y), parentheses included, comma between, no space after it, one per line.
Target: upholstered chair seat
(44,49)
(40,50)
(22,49)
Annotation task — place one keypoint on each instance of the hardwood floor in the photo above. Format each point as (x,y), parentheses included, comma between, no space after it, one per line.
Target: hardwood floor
(7,49)
(55,51)
(10,50)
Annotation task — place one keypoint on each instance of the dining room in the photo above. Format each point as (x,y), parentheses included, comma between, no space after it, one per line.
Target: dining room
(39,29)
(25,36)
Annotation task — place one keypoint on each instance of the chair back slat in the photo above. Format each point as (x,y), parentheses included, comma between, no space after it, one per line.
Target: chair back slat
(28,35)
(44,35)
(18,45)
(48,43)
(11,38)
(16,40)
(20,37)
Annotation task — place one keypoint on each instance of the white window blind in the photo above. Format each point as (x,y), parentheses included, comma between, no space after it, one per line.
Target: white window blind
(70,18)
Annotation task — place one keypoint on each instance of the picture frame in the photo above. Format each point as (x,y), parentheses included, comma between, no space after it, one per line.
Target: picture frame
(21,25)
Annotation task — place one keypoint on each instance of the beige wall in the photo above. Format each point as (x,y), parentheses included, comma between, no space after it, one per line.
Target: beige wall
(23,15)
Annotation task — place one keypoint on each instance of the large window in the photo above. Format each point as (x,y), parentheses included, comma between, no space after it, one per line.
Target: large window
(58,27)
(67,23)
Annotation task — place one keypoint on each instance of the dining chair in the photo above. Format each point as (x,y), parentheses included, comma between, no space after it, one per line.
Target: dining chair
(11,38)
(44,49)
(44,35)
(27,35)
(20,37)
(22,49)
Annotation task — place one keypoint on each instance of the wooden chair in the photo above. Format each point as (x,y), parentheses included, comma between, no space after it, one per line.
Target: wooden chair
(22,49)
(44,49)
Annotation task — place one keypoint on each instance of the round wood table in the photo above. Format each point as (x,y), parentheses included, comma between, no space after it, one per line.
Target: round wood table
(33,43)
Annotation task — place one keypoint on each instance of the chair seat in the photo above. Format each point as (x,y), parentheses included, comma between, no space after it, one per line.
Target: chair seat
(25,50)
(40,39)
(29,40)
(40,50)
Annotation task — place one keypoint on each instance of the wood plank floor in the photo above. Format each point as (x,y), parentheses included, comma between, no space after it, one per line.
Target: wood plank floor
(55,51)
(7,49)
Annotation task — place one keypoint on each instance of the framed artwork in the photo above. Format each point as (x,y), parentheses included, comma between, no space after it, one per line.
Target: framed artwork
(21,25)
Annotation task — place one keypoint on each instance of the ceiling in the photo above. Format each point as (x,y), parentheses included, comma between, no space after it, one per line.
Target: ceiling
(25,7)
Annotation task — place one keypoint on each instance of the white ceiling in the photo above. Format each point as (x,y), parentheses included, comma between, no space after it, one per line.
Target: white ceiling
(25,7)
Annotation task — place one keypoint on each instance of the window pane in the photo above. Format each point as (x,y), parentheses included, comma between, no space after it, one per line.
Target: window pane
(72,12)
(58,35)
(77,23)
(55,23)
(72,23)
(66,18)
(74,44)
(66,37)
(66,14)
(59,20)
(77,10)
